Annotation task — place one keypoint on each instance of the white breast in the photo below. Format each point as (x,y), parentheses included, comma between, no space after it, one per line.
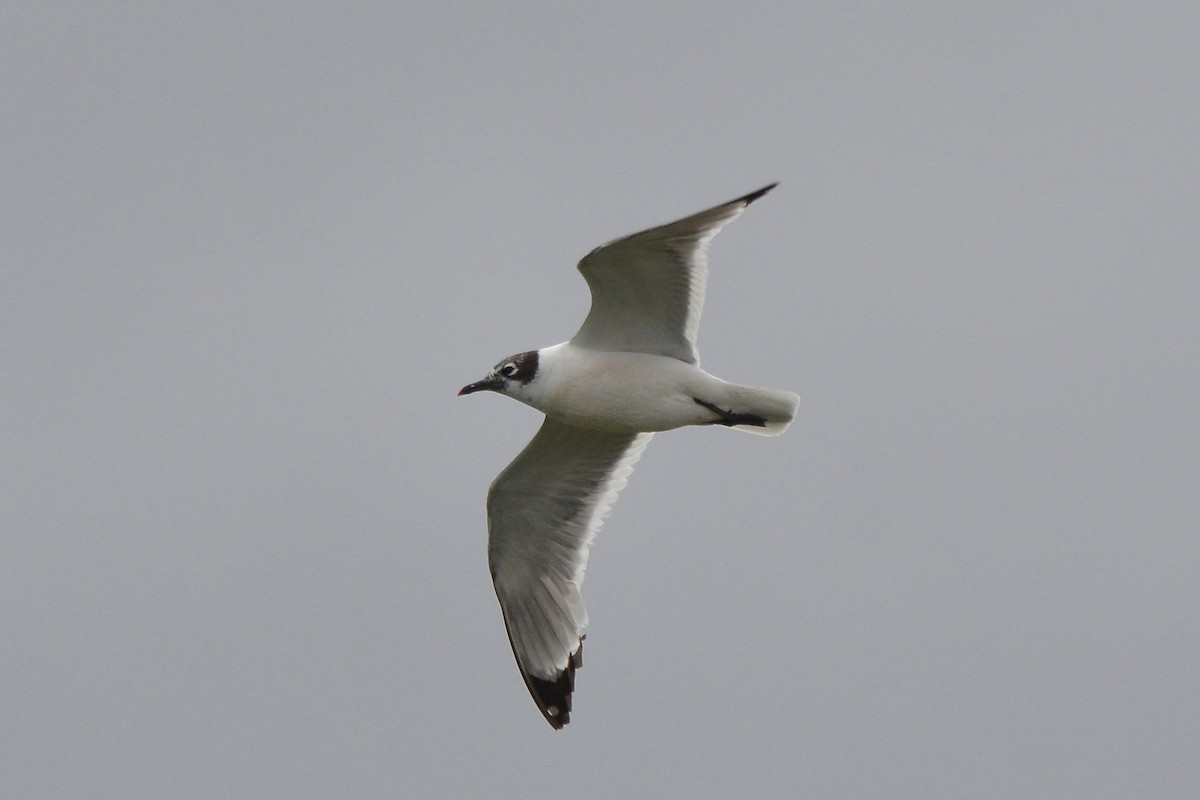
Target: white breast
(630,392)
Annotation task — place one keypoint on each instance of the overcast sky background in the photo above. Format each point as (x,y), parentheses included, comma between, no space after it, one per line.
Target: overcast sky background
(252,251)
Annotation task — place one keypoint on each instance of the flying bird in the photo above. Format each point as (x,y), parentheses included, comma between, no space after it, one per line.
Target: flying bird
(630,371)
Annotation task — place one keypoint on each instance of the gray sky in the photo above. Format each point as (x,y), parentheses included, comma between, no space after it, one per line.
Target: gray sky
(251,254)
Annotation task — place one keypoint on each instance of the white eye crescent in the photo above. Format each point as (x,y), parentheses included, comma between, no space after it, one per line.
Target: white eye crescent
(508,370)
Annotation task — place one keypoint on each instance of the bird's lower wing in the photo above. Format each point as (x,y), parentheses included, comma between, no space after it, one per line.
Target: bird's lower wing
(543,511)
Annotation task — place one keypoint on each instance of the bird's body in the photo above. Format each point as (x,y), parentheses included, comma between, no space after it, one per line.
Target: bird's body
(632,392)
(631,370)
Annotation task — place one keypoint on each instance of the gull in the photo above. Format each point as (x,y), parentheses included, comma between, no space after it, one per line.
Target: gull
(630,371)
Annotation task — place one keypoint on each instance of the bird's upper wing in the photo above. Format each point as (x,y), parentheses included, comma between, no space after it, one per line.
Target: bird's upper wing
(648,288)
(543,511)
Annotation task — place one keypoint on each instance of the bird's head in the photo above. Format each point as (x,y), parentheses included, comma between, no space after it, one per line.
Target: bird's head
(508,377)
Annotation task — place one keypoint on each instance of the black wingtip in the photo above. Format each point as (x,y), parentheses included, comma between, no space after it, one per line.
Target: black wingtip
(750,198)
(553,698)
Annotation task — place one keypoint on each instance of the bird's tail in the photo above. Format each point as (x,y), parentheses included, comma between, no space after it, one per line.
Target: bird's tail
(767,412)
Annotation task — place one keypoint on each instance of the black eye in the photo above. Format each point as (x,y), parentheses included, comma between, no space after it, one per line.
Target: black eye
(508,370)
